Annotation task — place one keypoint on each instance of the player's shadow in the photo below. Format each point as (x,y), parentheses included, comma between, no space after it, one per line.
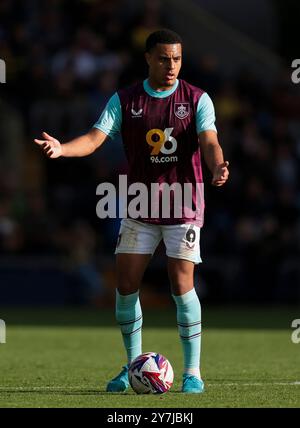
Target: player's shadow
(74,392)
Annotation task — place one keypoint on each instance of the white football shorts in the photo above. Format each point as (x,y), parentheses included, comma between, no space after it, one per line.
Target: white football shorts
(182,241)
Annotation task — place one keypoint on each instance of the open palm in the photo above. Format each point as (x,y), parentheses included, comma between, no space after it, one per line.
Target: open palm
(50,146)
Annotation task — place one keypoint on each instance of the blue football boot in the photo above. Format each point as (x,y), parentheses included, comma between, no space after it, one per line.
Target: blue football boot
(120,383)
(192,385)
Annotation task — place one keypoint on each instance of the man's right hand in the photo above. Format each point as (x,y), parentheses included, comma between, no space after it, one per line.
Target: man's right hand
(50,146)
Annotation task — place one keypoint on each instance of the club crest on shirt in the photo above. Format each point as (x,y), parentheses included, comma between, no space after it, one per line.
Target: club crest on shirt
(181,110)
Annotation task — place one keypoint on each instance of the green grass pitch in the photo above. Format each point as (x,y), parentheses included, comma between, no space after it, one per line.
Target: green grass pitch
(63,358)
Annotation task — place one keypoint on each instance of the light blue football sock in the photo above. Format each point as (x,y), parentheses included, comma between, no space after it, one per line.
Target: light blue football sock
(189,326)
(130,319)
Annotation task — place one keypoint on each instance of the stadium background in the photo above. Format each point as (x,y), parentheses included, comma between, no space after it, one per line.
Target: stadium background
(64,60)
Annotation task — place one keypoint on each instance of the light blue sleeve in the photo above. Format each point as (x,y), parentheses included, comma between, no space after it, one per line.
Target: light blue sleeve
(111,118)
(205,116)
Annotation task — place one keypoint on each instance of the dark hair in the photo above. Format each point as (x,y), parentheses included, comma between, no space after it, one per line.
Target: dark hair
(162,36)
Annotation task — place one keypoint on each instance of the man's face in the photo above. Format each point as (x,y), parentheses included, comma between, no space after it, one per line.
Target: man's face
(164,62)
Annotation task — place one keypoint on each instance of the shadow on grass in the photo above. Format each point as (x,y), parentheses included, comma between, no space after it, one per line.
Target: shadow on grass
(71,392)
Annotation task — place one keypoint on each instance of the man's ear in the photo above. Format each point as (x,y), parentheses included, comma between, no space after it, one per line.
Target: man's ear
(147,57)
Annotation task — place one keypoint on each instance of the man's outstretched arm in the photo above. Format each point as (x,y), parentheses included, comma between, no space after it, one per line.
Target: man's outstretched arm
(80,146)
(213,156)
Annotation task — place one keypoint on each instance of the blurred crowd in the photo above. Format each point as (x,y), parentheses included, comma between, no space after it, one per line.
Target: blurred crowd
(64,60)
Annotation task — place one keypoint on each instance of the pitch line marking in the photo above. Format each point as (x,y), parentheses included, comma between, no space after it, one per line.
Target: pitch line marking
(80,388)
(253,383)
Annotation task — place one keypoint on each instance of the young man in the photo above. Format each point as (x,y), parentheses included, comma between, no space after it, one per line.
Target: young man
(165,123)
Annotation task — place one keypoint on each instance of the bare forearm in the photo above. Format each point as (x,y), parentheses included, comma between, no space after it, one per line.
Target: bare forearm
(213,155)
(78,147)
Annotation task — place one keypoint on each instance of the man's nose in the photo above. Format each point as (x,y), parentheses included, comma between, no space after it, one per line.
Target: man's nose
(171,65)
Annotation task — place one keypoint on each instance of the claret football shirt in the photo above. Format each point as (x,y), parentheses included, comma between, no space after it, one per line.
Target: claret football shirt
(160,131)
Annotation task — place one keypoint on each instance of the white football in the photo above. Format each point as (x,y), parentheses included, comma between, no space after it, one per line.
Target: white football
(150,373)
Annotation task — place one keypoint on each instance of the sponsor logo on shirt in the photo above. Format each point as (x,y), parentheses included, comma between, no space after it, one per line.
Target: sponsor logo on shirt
(182,110)
(157,139)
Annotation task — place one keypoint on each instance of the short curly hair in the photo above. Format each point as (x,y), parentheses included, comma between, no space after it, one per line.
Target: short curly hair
(164,36)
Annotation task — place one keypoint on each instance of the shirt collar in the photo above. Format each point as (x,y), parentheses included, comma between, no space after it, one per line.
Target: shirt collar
(159,94)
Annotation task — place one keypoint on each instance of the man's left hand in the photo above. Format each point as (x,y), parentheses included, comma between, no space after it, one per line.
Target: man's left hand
(221,174)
